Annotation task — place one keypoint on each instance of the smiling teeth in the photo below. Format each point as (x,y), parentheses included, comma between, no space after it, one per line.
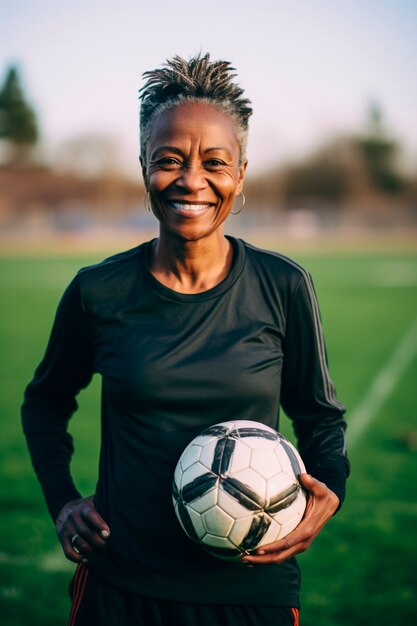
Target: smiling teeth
(189,207)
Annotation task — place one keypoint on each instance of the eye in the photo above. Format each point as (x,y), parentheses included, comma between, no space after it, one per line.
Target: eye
(168,162)
(214,163)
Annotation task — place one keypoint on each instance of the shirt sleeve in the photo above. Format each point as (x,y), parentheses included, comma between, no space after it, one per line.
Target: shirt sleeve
(49,399)
(308,395)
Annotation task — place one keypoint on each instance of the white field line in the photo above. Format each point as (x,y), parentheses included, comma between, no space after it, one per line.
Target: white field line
(383,384)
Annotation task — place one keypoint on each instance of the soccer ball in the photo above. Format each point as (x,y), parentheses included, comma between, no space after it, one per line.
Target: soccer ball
(236,488)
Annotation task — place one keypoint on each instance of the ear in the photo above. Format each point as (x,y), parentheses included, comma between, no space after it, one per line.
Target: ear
(241,177)
(144,173)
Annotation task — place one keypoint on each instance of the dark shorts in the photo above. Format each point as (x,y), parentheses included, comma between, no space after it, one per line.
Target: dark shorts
(96,604)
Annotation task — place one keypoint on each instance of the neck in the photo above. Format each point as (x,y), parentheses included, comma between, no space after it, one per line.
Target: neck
(191,266)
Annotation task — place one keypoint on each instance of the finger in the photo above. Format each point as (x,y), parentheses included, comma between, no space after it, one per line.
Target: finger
(279,557)
(319,494)
(296,537)
(278,554)
(89,536)
(81,546)
(90,514)
(70,551)
(312,484)
(296,541)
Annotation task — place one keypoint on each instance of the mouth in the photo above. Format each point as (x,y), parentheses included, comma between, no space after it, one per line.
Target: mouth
(190,208)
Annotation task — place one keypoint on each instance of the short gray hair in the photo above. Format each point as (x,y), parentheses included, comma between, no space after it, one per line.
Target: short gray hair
(196,80)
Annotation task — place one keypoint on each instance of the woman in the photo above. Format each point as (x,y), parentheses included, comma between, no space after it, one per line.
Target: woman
(187,330)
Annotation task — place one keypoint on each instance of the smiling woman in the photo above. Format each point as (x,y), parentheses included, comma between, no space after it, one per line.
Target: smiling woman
(194,126)
(193,176)
(187,330)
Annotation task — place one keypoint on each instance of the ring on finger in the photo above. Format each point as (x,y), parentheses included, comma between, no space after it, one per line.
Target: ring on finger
(73,540)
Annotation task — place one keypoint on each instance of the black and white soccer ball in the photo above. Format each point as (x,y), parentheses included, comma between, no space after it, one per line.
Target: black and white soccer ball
(236,488)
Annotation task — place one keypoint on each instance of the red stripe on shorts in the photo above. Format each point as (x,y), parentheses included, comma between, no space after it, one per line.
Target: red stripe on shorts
(80,580)
(296,617)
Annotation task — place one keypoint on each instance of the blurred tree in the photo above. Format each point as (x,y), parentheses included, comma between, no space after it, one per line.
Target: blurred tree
(379,152)
(18,124)
(320,180)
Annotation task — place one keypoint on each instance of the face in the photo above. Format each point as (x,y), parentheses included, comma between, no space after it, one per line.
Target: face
(192,171)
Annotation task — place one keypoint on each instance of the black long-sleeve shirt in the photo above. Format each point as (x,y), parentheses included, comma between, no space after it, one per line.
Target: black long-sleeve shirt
(171,365)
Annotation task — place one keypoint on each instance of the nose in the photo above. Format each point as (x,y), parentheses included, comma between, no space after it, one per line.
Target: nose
(192,179)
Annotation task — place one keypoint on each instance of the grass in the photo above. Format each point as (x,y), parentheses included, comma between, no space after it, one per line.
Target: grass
(361,569)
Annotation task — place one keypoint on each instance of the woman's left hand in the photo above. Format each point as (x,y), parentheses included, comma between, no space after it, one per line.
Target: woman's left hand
(321,505)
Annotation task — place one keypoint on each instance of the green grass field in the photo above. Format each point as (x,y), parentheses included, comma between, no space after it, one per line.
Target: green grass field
(362,568)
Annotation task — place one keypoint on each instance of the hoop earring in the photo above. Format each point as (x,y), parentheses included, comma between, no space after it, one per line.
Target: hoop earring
(243,204)
(147,201)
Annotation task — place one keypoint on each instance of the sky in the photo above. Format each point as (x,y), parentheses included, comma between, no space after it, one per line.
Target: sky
(311,68)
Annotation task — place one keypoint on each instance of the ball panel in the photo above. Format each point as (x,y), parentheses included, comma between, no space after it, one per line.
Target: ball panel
(250,428)
(294,510)
(289,526)
(213,432)
(272,534)
(217,522)
(223,454)
(178,475)
(206,501)
(217,542)
(199,487)
(190,456)
(186,520)
(175,492)
(252,481)
(264,462)
(197,523)
(258,441)
(278,484)
(207,453)
(296,460)
(228,426)
(284,461)
(240,529)
(230,505)
(241,457)
(289,457)
(259,526)
(247,497)
(193,471)
(284,499)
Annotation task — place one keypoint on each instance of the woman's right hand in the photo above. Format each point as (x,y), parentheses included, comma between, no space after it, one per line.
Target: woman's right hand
(81,530)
